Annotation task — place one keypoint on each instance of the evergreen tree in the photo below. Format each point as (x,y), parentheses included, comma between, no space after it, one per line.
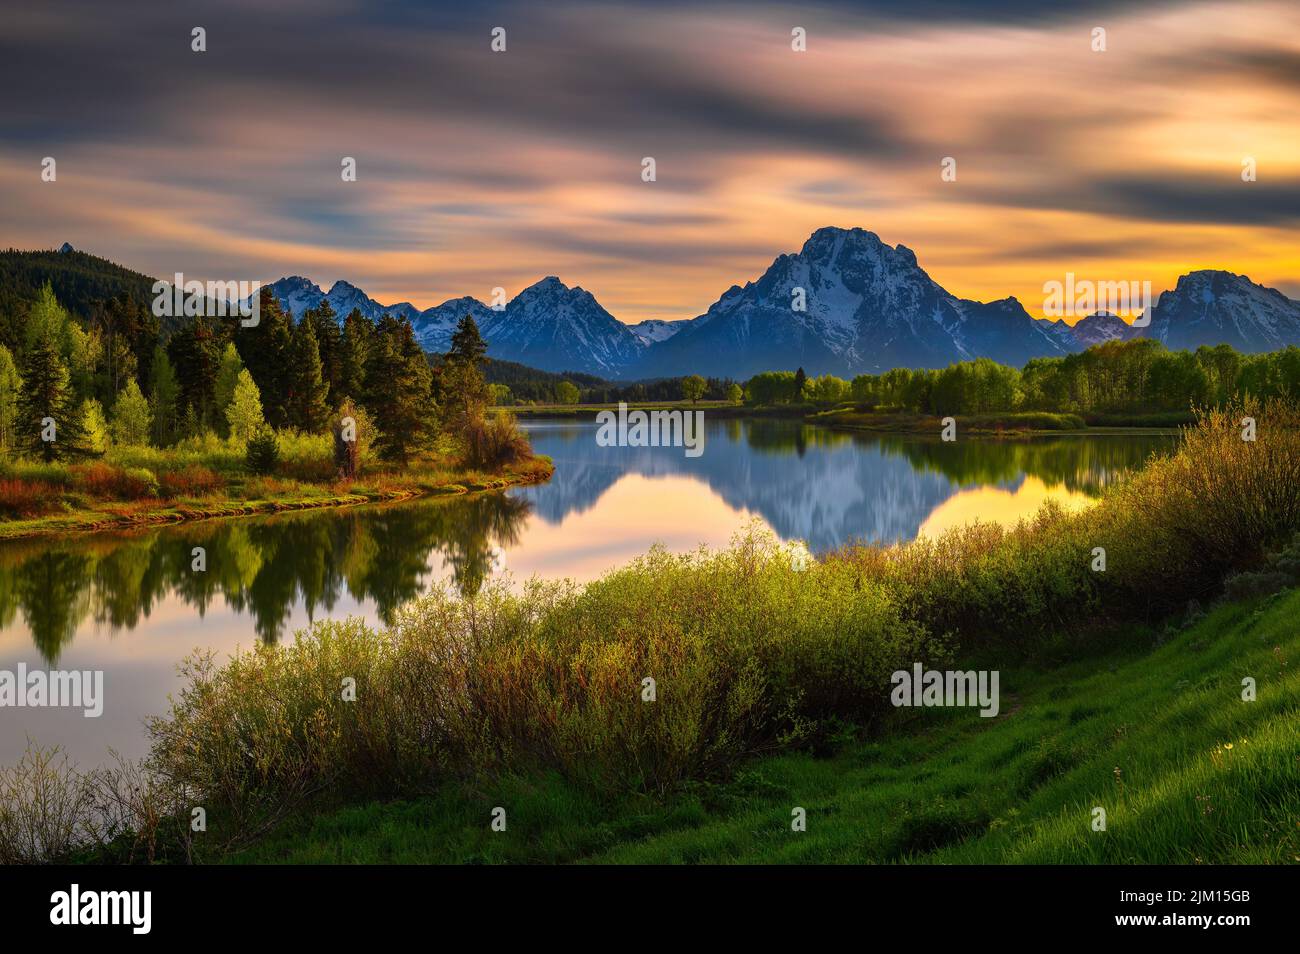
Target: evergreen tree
(195,359)
(354,355)
(462,389)
(467,344)
(329,340)
(49,419)
(263,453)
(307,409)
(164,392)
(131,421)
(267,352)
(399,396)
(244,413)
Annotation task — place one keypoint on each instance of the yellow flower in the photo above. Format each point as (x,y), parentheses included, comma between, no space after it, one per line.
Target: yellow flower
(1227,745)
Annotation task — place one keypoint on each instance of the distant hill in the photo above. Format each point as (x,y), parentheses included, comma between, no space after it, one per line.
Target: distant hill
(79,281)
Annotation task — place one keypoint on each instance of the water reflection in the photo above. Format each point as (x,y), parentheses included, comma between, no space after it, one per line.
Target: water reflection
(826,487)
(604,506)
(262,568)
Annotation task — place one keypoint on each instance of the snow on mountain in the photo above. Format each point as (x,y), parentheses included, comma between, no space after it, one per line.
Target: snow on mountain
(653,330)
(1212,307)
(434,326)
(1093,329)
(1100,327)
(551,326)
(297,295)
(844,304)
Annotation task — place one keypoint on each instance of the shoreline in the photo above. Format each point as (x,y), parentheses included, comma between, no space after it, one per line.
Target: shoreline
(905,425)
(89,522)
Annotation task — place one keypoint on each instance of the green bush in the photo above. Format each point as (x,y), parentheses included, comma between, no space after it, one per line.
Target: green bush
(263,454)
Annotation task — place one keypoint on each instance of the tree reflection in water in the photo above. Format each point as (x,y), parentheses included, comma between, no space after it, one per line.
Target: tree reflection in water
(260,566)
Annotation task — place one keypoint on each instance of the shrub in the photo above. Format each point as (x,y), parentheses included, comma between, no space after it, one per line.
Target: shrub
(263,454)
(747,652)
(27,498)
(496,442)
(107,482)
(193,481)
(45,805)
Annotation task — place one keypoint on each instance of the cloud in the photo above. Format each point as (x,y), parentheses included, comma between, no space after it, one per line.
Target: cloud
(479,169)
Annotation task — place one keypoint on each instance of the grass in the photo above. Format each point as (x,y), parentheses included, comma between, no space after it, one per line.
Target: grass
(1160,738)
(203,478)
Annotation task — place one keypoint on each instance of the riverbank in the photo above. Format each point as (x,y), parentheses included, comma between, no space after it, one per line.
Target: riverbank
(1153,730)
(1011,424)
(75,510)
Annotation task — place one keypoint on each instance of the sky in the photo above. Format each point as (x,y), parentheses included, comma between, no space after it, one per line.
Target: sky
(479,169)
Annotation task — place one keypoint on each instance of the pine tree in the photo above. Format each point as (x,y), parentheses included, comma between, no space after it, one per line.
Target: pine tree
(131,421)
(399,396)
(329,339)
(354,356)
(49,420)
(466,343)
(462,389)
(306,409)
(195,359)
(267,352)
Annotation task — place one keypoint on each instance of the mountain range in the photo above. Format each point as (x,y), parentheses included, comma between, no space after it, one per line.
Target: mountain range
(845,303)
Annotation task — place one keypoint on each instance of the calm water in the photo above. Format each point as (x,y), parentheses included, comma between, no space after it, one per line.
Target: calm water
(130,605)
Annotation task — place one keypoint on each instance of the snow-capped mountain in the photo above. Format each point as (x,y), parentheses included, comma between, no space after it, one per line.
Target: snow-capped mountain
(551,326)
(1093,329)
(547,325)
(434,326)
(653,330)
(844,304)
(297,295)
(1100,327)
(1215,307)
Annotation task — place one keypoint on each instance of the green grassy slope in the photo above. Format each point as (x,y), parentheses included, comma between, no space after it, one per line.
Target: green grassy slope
(1157,735)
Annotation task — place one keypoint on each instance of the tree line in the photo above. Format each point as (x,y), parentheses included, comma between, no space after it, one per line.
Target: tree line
(118,380)
(1139,375)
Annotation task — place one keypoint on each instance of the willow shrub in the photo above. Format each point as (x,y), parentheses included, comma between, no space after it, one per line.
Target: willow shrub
(1170,534)
(747,647)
